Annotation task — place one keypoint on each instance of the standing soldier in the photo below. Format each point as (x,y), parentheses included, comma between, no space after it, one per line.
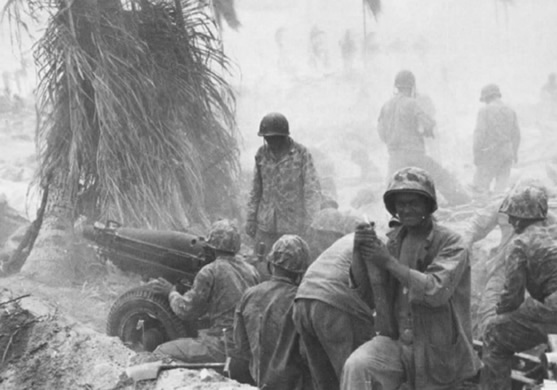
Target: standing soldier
(286,193)
(403,124)
(496,141)
(523,322)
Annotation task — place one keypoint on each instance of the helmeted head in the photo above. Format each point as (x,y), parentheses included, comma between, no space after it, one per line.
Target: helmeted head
(527,202)
(405,80)
(224,237)
(274,124)
(489,92)
(291,253)
(410,180)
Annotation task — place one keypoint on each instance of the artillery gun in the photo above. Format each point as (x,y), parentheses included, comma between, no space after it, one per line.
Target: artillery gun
(141,318)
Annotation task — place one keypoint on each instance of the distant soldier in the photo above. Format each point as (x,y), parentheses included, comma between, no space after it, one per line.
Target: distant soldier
(496,141)
(216,290)
(264,332)
(549,89)
(523,322)
(286,193)
(403,124)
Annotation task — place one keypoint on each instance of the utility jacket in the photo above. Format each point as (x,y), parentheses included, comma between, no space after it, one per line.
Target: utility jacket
(439,298)
(531,266)
(403,124)
(497,134)
(286,193)
(216,290)
(264,335)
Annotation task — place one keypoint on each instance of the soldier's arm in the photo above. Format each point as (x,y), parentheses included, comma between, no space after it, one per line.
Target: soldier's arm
(436,285)
(241,340)
(195,302)
(515,137)
(515,280)
(255,193)
(382,127)
(482,223)
(480,132)
(312,190)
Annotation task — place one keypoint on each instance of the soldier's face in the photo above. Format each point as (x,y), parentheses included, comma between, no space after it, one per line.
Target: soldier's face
(412,209)
(276,142)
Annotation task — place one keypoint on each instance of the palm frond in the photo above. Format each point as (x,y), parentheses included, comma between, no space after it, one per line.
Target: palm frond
(138,111)
(374,6)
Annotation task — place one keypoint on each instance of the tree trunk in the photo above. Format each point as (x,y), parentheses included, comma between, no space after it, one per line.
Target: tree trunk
(50,261)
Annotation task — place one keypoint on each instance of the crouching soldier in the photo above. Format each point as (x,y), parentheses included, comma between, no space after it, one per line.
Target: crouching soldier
(264,332)
(531,265)
(217,288)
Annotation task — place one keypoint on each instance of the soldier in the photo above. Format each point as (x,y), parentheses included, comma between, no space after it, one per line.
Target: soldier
(263,330)
(217,288)
(496,141)
(285,194)
(523,322)
(330,317)
(423,324)
(403,124)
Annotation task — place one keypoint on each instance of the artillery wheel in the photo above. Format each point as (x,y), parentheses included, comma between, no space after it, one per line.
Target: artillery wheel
(143,320)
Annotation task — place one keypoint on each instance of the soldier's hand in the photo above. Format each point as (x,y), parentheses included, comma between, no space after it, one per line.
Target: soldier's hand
(380,255)
(363,239)
(251,228)
(161,286)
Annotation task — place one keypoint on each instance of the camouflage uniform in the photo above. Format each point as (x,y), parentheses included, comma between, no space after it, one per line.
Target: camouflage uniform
(399,125)
(216,289)
(285,194)
(263,330)
(496,141)
(523,323)
(330,317)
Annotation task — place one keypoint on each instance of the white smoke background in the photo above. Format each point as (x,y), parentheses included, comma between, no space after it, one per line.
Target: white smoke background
(454,47)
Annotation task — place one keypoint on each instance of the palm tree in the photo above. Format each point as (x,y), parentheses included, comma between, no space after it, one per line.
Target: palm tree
(137,122)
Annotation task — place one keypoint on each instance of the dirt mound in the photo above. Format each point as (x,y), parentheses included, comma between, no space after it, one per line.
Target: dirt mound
(40,348)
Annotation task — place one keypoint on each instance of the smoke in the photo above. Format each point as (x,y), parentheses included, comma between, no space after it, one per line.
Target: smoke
(290,57)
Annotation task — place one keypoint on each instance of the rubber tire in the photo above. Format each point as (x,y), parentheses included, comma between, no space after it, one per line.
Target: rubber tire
(143,303)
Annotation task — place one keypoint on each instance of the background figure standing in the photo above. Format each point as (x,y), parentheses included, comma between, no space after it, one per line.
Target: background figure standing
(263,329)
(496,141)
(286,193)
(403,124)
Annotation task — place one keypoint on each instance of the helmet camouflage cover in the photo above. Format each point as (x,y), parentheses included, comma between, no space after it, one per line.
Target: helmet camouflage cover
(333,220)
(224,236)
(410,180)
(529,202)
(290,252)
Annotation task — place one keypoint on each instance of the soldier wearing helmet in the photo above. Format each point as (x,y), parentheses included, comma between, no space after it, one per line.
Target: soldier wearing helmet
(403,125)
(263,330)
(496,141)
(330,317)
(522,322)
(285,193)
(424,335)
(216,289)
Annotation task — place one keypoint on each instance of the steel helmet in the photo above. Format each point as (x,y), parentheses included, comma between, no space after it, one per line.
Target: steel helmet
(273,124)
(413,180)
(489,91)
(332,220)
(405,79)
(224,236)
(528,202)
(290,252)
